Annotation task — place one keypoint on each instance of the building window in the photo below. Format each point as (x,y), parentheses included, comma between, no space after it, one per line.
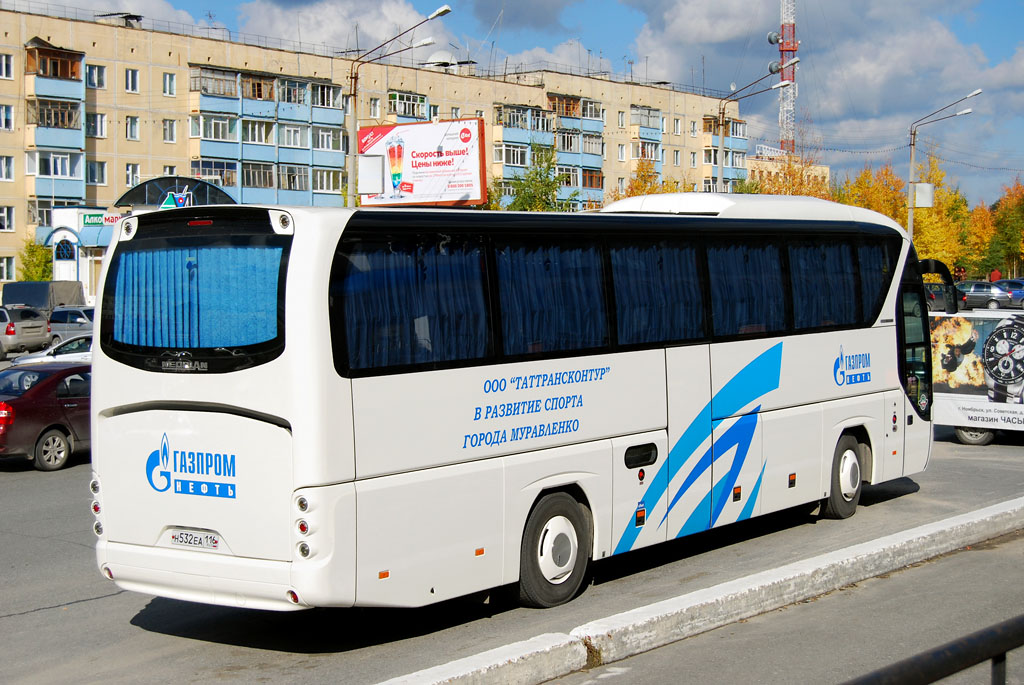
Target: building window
(738,129)
(677,126)
(215,171)
(622,152)
(6,66)
(435,111)
(677,156)
(6,117)
(325,95)
(513,155)
(6,218)
(170,170)
(565,105)
(257,175)
(64,250)
(6,168)
(710,156)
(326,181)
(95,76)
(593,178)
(95,125)
(591,109)
(568,175)
(568,141)
(170,130)
(292,136)
(170,84)
(131,174)
(214,127)
(739,160)
(213,82)
(55,64)
(55,113)
(131,80)
(646,149)
(326,138)
(257,88)
(96,173)
(41,211)
(375,108)
(622,120)
(479,114)
(664,125)
(693,128)
(621,185)
(293,92)
(591,144)
(645,116)
(259,132)
(407,105)
(6,268)
(131,127)
(53,164)
(693,160)
(294,177)
(456,112)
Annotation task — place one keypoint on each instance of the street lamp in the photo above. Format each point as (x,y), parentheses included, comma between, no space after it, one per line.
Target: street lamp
(353,78)
(732,98)
(924,121)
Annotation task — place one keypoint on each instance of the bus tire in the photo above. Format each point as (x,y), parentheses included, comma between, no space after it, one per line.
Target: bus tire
(52,451)
(555,551)
(846,480)
(974,436)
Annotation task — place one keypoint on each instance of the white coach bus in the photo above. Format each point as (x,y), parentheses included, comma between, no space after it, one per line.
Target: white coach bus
(298,407)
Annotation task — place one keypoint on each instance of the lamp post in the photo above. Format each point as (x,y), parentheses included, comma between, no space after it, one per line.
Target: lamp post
(353,78)
(924,121)
(732,98)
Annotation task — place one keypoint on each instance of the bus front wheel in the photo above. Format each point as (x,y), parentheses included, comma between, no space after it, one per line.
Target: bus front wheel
(846,480)
(555,551)
(974,436)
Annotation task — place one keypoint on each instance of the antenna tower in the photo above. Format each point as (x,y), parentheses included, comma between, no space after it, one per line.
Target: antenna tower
(788,45)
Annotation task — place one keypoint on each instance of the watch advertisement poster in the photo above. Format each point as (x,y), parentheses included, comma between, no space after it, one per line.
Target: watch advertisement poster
(430,163)
(978,369)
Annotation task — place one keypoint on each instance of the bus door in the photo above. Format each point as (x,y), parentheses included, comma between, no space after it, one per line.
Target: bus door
(915,363)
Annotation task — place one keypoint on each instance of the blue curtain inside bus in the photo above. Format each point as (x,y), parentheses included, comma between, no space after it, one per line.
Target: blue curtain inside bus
(224,296)
(552,298)
(877,261)
(747,296)
(410,303)
(657,293)
(824,284)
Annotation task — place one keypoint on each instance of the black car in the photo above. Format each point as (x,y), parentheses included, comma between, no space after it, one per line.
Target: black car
(981,294)
(44,412)
(935,294)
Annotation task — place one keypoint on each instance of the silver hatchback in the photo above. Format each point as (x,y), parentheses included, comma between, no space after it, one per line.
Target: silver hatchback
(24,329)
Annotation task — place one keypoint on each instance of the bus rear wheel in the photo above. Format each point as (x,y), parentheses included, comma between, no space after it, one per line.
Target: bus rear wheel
(974,436)
(555,551)
(846,480)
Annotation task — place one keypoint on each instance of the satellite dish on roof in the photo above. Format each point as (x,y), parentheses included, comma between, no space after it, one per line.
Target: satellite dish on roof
(732,86)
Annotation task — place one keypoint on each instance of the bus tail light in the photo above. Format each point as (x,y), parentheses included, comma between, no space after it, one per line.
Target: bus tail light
(107,572)
(96,507)
(6,414)
(293,597)
(303,527)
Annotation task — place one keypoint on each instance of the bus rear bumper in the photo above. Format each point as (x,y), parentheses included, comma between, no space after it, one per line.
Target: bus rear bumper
(199,576)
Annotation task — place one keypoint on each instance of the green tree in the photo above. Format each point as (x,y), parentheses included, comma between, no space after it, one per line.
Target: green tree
(1007,244)
(536,190)
(36,262)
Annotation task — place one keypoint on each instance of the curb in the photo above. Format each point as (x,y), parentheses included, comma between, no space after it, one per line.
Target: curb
(639,630)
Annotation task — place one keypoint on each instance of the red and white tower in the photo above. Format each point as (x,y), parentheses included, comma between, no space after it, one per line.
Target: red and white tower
(788,44)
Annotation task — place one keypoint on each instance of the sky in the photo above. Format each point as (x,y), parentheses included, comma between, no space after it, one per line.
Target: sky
(868,68)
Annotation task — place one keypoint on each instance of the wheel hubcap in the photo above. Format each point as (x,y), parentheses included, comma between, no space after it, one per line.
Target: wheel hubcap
(849,474)
(53,451)
(557,550)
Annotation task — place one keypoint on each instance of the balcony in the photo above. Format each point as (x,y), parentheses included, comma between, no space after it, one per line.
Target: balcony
(43,87)
(60,138)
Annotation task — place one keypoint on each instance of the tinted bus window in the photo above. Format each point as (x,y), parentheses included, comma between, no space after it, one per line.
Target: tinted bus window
(824,280)
(657,293)
(747,294)
(877,261)
(412,301)
(552,297)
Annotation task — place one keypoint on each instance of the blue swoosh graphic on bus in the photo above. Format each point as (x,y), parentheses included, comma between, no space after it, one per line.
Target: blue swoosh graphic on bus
(755,380)
(748,508)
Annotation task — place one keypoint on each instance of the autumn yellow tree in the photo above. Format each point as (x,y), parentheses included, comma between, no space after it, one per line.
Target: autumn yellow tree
(880,190)
(1006,248)
(646,181)
(981,229)
(788,175)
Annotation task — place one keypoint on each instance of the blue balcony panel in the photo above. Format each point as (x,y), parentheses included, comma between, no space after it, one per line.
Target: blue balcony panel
(60,187)
(327,115)
(65,138)
(293,112)
(219,149)
(303,198)
(214,103)
(266,109)
(569,158)
(592,161)
(329,158)
(328,200)
(519,136)
(648,133)
(409,120)
(294,155)
(259,196)
(509,172)
(570,123)
(741,144)
(592,195)
(565,193)
(259,153)
(592,125)
(729,172)
(59,88)
(657,167)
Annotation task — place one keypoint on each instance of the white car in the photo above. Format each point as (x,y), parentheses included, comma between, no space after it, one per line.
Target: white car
(77,349)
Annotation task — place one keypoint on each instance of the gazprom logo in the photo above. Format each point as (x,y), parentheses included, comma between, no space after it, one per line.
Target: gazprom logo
(164,464)
(851,369)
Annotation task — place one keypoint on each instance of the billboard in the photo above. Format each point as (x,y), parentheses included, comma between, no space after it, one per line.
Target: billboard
(433,163)
(978,369)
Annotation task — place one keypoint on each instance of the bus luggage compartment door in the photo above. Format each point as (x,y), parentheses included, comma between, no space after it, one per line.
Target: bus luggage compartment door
(639,480)
(217,481)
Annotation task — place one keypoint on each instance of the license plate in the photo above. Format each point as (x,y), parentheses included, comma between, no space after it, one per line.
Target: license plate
(189,538)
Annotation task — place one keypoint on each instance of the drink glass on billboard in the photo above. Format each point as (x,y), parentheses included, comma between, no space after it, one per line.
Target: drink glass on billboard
(396,152)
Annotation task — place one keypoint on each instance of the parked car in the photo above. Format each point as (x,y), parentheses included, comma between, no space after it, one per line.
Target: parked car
(44,296)
(77,349)
(1015,288)
(67,322)
(975,294)
(44,412)
(936,296)
(24,329)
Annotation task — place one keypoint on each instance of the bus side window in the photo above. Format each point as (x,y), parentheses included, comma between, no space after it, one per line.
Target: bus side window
(747,294)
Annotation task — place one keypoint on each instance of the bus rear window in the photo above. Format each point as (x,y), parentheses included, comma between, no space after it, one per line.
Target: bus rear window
(210,304)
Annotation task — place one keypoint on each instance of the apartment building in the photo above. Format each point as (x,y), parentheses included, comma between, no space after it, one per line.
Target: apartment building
(91,106)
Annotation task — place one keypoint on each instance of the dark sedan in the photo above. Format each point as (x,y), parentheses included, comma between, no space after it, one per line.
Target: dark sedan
(44,412)
(975,294)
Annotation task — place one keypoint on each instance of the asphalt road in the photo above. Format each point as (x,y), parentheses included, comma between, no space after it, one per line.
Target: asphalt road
(61,621)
